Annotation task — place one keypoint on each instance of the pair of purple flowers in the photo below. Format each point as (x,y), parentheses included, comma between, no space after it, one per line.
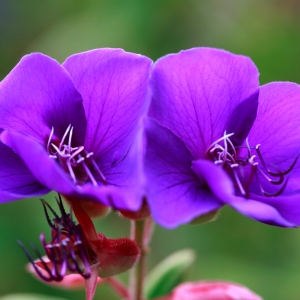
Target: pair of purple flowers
(189,134)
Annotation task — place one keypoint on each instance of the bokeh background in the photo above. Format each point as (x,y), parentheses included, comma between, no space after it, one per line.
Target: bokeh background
(233,248)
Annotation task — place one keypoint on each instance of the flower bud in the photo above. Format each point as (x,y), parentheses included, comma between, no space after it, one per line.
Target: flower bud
(212,290)
(116,255)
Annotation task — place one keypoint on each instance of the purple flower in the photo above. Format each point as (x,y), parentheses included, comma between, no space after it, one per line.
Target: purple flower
(216,139)
(74,128)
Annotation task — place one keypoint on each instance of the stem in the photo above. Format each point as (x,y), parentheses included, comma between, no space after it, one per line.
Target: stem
(141,232)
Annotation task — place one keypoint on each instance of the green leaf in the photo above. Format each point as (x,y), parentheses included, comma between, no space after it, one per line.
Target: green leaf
(29,297)
(169,273)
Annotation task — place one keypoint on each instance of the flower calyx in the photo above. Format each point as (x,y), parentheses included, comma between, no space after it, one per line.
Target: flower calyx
(78,249)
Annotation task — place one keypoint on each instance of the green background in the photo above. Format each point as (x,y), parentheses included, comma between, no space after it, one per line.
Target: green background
(233,248)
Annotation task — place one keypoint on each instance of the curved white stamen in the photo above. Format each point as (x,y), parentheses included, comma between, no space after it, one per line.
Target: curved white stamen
(234,165)
(56,148)
(99,171)
(81,159)
(80,149)
(231,144)
(64,136)
(71,171)
(237,179)
(70,138)
(251,160)
(225,154)
(89,154)
(50,138)
(225,136)
(73,157)
(88,172)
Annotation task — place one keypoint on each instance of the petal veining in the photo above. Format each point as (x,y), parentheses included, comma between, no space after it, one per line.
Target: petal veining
(199,93)
(38,94)
(113,84)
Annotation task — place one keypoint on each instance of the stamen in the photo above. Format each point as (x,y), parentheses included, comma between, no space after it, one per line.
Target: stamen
(56,148)
(223,152)
(89,154)
(248,147)
(60,205)
(70,138)
(251,160)
(238,180)
(280,181)
(66,251)
(71,263)
(37,270)
(74,159)
(225,136)
(87,170)
(266,194)
(47,215)
(46,205)
(279,174)
(81,159)
(64,136)
(49,140)
(71,171)
(102,177)
(231,144)
(80,149)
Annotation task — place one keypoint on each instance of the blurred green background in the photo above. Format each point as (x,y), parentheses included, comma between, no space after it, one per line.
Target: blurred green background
(234,248)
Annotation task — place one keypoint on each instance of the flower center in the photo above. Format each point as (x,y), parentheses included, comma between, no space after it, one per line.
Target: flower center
(223,152)
(75,160)
(68,250)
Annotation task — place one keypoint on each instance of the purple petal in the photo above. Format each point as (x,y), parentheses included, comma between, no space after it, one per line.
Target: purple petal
(199,93)
(215,177)
(276,129)
(175,194)
(287,206)
(38,94)
(127,175)
(46,170)
(16,181)
(221,185)
(50,174)
(261,212)
(113,85)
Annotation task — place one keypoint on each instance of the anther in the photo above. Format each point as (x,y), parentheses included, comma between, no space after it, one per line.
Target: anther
(75,160)
(89,154)
(226,155)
